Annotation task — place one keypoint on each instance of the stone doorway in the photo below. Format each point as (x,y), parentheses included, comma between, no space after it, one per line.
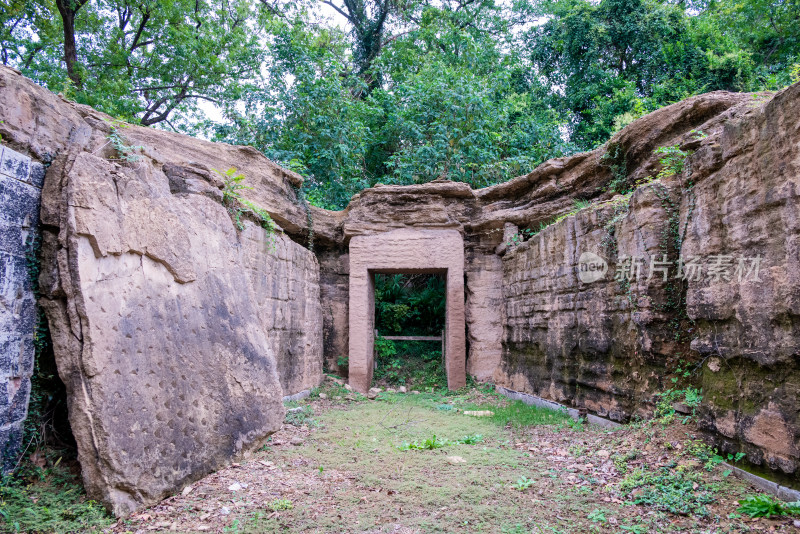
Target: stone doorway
(405,251)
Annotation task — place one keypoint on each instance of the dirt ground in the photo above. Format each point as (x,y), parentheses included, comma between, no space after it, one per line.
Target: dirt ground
(408,463)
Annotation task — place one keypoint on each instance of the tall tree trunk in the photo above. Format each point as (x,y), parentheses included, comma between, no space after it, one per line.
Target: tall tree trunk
(68,10)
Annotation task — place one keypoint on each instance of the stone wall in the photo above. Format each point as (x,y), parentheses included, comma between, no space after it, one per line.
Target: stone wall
(175,333)
(20,191)
(285,288)
(612,345)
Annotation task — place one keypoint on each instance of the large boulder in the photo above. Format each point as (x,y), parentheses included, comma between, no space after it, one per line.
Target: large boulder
(168,367)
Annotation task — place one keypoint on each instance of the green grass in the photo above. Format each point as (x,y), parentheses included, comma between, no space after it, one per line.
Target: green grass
(526,469)
(49,499)
(517,414)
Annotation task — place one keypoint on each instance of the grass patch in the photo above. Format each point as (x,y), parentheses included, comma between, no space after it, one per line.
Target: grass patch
(49,499)
(517,414)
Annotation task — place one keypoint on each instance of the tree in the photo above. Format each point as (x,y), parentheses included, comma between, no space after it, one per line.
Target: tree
(68,9)
(612,61)
(140,60)
(453,103)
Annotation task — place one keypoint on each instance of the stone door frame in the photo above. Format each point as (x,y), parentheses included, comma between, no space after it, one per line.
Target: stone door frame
(405,251)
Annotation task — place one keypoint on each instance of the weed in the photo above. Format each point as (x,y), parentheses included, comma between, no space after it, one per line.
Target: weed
(621,460)
(428,444)
(698,134)
(118,141)
(636,529)
(691,397)
(580,204)
(279,505)
(677,492)
(523,483)
(672,161)
(415,363)
(578,424)
(300,417)
(597,516)
(238,206)
(767,506)
(50,499)
(471,440)
(616,161)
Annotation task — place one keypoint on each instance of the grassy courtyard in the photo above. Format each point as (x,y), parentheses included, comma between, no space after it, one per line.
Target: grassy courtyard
(407,463)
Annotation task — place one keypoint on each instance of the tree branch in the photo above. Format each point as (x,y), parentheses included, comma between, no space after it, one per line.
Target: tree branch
(142,24)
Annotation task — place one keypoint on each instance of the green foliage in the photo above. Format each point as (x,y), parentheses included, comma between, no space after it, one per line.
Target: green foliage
(472,439)
(517,414)
(124,151)
(615,60)
(49,499)
(444,99)
(523,483)
(402,93)
(238,206)
(414,363)
(578,424)
(300,417)
(689,396)
(597,516)
(621,460)
(672,161)
(279,505)
(675,491)
(409,304)
(148,62)
(437,443)
(428,444)
(767,506)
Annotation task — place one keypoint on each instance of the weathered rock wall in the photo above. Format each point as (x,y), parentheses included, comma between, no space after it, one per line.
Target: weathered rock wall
(285,288)
(611,346)
(603,345)
(20,191)
(747,206)
(175,333)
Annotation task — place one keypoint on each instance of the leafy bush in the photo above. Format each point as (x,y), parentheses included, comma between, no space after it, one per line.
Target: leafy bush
(767,506)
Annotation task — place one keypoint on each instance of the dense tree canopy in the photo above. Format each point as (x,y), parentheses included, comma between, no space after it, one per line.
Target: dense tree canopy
(354,92)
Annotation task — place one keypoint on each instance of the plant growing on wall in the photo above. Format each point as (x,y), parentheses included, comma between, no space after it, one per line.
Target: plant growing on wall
(120,144)
(238,206)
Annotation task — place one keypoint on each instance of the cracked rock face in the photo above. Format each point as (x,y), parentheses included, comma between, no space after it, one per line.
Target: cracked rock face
(161,347)
(175,333)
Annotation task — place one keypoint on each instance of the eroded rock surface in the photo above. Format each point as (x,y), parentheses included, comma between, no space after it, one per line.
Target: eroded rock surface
(176,333)
(730,325)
